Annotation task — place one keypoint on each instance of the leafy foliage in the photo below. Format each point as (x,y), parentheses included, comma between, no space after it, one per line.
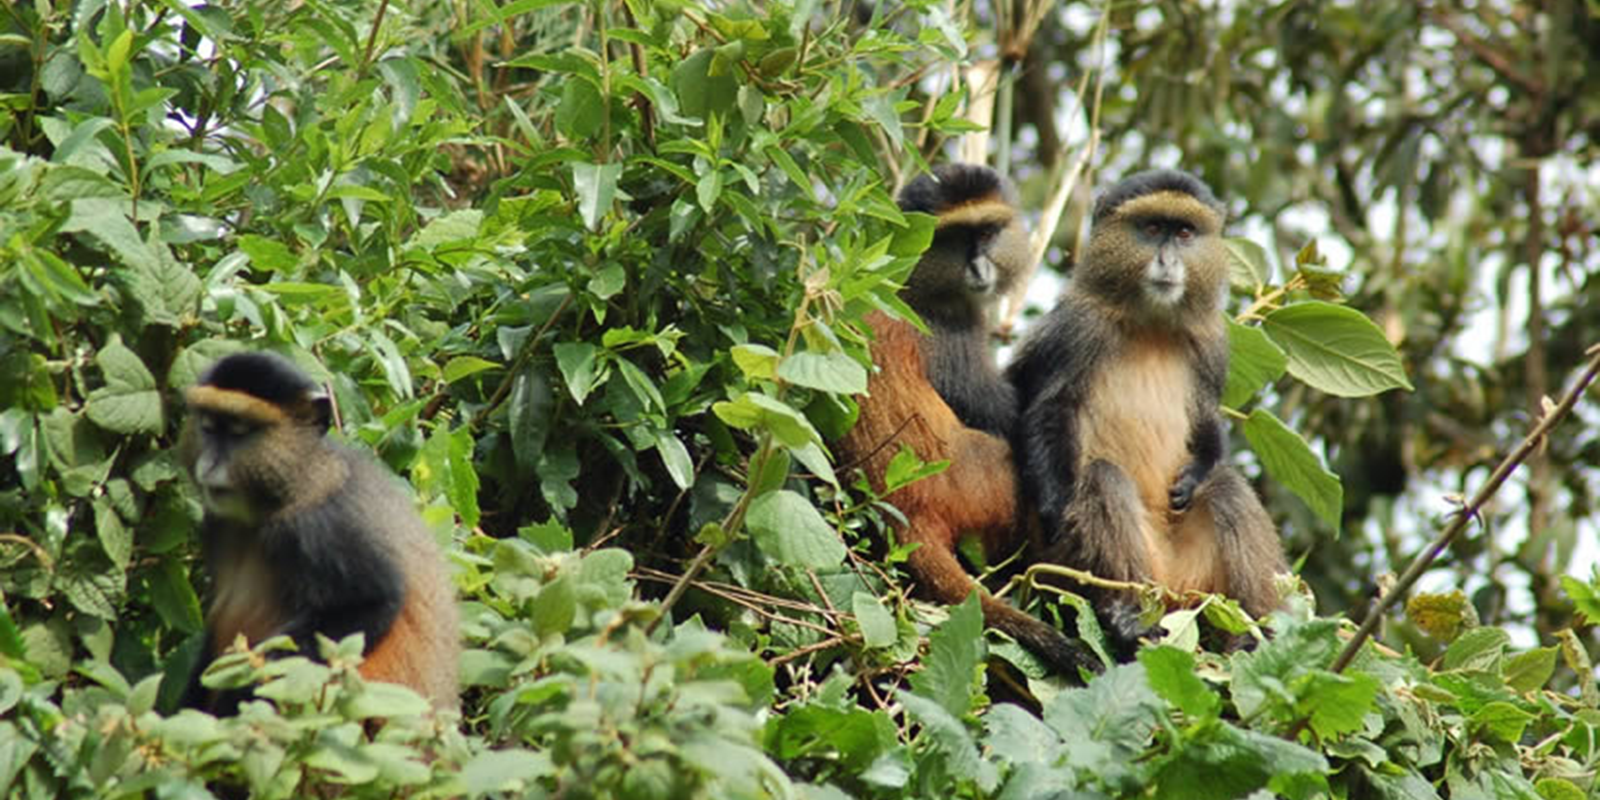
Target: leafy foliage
(592,277)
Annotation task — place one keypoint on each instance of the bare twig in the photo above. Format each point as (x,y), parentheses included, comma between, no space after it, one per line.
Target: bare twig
(1467,513)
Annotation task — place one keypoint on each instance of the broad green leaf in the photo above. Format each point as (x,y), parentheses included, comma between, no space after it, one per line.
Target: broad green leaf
(466,366)
(831,372)
(129,402)
(753,409)
(950,741)
(788,529)
(1502,720)
(1336,349)
(756,361)
(877,624)
(530,407)
(173,596)
(1530,671)
(582,110)
(680,466)
(1222,762)
(699,92)
(268,254)
(1171,674)
(115,538)
(580,368)
(906,468)
(596,185)
(1289,461)
(608,281)
(1337,703)
(1248,268)
(955,649)
(812,457)
(1477,649)
(1253,362)
(1585,595)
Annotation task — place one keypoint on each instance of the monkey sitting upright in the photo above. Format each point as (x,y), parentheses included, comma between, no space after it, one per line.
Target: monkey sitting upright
(304,536)
(1120,386)
(942,396)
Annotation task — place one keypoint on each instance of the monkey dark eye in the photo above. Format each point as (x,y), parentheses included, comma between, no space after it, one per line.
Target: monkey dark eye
(1185,232)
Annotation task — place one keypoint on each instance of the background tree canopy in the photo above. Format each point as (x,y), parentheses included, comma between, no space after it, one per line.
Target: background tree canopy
(591,276)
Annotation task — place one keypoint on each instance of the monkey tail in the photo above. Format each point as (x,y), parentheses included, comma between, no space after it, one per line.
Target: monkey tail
(1061,654)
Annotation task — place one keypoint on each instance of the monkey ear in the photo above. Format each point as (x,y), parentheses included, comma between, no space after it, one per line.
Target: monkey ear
(321,406)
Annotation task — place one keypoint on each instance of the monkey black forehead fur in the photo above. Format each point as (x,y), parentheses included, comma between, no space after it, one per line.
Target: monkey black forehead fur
(1151,182)
(268,376)
(953,185)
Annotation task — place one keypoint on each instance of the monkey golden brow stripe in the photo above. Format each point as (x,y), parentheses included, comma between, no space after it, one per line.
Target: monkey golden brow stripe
(233,403)
(1169,204)
(986,211)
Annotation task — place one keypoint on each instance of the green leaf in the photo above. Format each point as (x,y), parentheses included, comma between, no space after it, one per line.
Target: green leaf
(531,404)
(831,372)
(789,530)
(266,254)
(1253,362)
(115,538)
(680,466)
(1221,762)
(596,185)
(1585,595)
(174,597)
(752,409)
(465,366)
(877,624)
(1172,675)
(955,649)
(1337,703)
(756,361)
(129,402)
(580,368)
(950,744)
(609,281)
(1248,268)
(699,92)
(1336,349)
(582,110)
(1502,721)
(906,467)
(1289,460)
(1530,671)
(1477,649)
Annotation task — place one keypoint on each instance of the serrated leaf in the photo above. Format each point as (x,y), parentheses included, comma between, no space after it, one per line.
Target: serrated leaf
(1288,459)
(788,529)
(129,402)
(1337,703)
(1253,362)
(831,372)
(955,649)
(1336,349)
(877,624)
(1171,674)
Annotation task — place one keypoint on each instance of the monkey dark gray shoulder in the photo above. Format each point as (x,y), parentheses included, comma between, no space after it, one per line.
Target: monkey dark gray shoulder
(1152,181)
(1067,342)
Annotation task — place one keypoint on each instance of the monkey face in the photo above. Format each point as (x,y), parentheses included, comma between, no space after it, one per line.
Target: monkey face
(218,443)
(1166,274)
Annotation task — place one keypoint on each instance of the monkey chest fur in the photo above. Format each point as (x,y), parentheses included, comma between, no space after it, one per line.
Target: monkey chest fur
(1137,416)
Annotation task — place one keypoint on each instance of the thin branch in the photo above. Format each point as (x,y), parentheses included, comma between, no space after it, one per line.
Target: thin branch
(1469,512)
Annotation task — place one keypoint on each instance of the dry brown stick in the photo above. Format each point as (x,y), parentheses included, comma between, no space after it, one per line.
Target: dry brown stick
(1468,512)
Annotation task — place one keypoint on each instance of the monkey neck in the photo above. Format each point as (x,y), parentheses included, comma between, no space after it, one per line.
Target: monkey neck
(954,312)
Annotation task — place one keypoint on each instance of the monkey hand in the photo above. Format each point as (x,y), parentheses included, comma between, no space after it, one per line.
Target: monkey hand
(1181,495)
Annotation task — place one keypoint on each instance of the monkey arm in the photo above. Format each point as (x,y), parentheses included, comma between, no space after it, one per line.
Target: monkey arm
(343,579)
(1208,443)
